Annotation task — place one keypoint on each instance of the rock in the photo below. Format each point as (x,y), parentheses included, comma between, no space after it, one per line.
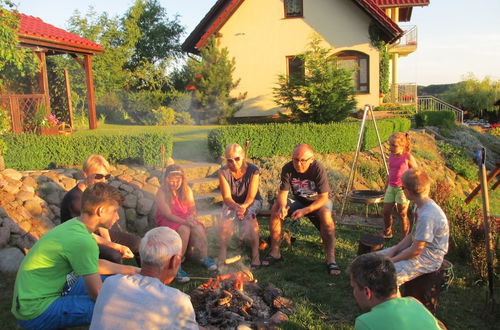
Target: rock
(243,326)
(13,174)
(53,198)
(140,194)
(126,187)
(28,188)
(24,195)
(150,189)
(141,225)
(29,181)
(130,215)
(10,259)
(2,212)
(137,184)
(122,221)
(278,317)
(25,242)
(154,181)
(56,210)
(152,216)
(68,183)
(4,236)
(12,225)
(115,183)
(130,201)
(141,178)
(144,206)
(125,178)
(34,207)
(11,189)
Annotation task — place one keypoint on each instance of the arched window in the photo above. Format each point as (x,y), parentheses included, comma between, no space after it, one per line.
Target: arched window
(360,63)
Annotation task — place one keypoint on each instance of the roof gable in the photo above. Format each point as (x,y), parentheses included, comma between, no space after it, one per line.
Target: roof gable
(222,10)
(35,32)
(401,3)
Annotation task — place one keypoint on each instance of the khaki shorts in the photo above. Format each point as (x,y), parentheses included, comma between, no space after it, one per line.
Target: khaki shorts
(395,195)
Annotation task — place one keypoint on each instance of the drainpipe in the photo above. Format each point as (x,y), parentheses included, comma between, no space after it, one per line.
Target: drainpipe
(394,88)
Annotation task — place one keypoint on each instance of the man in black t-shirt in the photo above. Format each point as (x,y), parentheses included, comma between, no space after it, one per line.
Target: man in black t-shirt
(308,182)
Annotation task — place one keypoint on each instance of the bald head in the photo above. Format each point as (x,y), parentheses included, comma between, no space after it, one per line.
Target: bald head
(303,149)
(302,157)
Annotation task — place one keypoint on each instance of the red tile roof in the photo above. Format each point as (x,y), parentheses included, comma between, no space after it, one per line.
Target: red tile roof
(223,9)
(401,3)
(34,31)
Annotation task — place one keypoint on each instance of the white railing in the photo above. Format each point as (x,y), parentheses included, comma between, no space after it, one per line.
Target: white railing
(409,37)
(403,93)
(432,103)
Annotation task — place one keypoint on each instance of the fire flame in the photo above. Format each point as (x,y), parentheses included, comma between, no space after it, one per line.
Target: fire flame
(240,279)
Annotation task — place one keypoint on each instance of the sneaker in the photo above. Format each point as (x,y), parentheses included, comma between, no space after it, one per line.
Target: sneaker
(209,263)
(182,276)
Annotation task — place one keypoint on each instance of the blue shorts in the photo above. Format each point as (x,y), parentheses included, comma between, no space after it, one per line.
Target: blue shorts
(71,310)
(295,204)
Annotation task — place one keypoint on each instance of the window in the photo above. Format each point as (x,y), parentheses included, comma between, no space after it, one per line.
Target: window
(296,68)
(293,8)
(359,62)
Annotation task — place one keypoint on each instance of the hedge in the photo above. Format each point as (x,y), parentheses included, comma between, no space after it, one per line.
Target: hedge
(278,139)
(443,118)
(36,152)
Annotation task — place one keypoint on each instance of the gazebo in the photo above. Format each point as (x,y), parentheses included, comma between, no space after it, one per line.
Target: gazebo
(46,40)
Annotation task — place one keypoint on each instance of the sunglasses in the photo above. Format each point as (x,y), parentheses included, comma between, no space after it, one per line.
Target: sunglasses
(233,160)
(102,176)
(301,161)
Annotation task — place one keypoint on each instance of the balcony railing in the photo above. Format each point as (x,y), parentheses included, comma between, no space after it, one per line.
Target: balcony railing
(409,37)
(403,93)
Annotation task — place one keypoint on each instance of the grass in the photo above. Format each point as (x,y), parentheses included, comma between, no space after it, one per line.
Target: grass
(323,301)
(190,141)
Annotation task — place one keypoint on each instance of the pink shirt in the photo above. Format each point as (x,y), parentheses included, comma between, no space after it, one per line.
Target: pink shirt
(397,166)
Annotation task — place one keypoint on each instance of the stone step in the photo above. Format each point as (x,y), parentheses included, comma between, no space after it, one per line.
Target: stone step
(208,201)
(204,185)
(209,218)
(199,170)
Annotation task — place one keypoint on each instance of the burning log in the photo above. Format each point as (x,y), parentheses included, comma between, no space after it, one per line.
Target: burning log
(233,300)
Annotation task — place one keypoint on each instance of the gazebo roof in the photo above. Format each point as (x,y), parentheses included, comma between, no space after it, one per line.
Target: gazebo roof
(33,32)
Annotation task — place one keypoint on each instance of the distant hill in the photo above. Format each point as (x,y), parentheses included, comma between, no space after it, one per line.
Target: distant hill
(433,89)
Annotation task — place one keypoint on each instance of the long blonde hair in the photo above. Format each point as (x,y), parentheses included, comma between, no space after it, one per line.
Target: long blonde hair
(176,170)
(405,140)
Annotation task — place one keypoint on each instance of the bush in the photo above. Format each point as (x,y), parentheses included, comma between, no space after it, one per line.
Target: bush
(278,139)
(35,152)
(444,119)
(183,118)
(400,108)
(164,116)
(458,160)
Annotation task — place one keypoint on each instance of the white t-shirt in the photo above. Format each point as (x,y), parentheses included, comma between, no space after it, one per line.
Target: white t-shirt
(141,302)
(431,226)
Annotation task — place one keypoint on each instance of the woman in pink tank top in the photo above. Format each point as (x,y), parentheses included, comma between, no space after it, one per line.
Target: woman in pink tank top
(176,209)
(400,161)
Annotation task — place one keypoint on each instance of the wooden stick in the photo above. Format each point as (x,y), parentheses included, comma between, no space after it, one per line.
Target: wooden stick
(476,190)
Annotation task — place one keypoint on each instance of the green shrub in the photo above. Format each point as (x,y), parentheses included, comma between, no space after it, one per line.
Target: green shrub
(183,118)
(397,107)
(32,152)
(278,139)
(458,160)
(444,119)
(164,116)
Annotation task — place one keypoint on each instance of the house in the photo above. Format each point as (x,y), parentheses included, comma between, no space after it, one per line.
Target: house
(264,37)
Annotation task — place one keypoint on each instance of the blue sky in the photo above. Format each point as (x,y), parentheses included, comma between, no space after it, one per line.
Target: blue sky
(454,36)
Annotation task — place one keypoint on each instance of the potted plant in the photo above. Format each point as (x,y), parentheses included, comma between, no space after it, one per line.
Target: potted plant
(49,125)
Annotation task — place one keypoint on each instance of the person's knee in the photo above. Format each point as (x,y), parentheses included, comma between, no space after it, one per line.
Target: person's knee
(183,231)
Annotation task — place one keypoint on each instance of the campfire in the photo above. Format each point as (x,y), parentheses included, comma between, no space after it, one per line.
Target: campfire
(236,300)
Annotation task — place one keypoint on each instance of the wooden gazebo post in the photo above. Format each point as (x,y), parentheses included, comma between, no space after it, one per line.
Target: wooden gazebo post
(43,80)
(90,91)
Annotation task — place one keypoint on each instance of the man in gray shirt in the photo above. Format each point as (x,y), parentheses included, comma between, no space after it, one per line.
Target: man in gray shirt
(143,301)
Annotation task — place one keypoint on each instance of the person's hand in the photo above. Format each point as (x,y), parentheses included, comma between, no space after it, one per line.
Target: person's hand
(125,251)
(191,221)
(390,254)
(297,214)
(240,212)
(131,270)
(283,212)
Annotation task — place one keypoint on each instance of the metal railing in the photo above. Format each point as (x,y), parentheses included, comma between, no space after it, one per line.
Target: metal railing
(409,37)
(403,93)
(432,103)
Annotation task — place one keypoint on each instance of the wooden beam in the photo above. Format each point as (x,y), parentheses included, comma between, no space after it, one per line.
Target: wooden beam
(68,96)
(90,91)
(78,60)
(491,176)
(43,79)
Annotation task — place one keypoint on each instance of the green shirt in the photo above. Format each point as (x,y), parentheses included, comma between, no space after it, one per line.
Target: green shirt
(67,248)
(398,314)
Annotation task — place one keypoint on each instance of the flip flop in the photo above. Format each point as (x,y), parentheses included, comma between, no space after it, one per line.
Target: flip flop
(271,260)
(332,266)
(255,267)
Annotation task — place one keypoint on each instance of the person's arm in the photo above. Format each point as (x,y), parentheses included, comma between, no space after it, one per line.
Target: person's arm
(412,163)
(282,203)
(107,267)
(124,250)
(225,191)
(414,251)
(403,244)
(93,283)
(164,208)
(104,233)
(320,202)
(253,188)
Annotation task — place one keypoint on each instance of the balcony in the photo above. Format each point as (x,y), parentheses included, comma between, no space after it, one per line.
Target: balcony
(407,44)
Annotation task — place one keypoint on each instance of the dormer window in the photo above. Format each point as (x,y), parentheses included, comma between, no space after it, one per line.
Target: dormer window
(293,8)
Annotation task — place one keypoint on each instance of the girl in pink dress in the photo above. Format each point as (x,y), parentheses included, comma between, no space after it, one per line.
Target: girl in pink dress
(176,209)
(400,161)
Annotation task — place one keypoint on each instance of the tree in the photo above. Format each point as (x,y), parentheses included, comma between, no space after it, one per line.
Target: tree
(213,81)
(21,61)
(475,96)
(325,93)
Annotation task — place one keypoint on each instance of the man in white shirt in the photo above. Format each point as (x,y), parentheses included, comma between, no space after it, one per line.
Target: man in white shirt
(143,301)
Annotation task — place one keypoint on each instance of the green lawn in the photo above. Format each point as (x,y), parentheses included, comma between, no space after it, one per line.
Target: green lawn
(323,301)
(190,141)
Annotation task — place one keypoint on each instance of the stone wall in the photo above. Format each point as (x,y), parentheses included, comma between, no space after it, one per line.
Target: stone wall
(30,201)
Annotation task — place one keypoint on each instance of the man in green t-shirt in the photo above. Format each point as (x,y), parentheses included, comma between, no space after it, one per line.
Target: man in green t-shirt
(374,286)
(59,279)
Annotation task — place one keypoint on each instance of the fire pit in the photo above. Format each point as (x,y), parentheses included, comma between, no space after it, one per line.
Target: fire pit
(366,197)
(233,300)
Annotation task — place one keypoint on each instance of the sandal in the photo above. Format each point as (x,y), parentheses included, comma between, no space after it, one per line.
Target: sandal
(332,266)
(255,267)
(386,236)
(271,260)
